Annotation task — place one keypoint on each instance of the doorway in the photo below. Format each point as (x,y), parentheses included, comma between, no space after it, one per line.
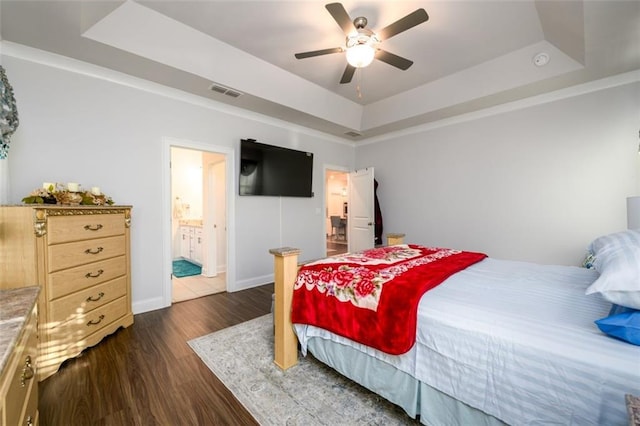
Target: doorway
(198,223)
(337,207)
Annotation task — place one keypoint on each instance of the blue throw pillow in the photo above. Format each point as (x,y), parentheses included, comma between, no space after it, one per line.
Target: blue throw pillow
(625,326)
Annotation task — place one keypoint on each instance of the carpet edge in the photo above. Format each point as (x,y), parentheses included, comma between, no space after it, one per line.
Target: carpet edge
(216,372)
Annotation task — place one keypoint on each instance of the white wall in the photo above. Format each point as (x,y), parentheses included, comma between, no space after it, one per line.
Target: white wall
(85,124)
(535,184)
(186,183)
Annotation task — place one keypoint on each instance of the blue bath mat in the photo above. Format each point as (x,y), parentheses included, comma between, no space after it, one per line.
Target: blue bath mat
(184,268)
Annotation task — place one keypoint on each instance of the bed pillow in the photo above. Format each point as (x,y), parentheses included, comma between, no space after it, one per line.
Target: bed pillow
(617,258)
(625,326)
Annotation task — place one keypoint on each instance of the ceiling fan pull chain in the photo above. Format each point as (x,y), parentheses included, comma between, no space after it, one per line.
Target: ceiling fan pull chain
(358,77)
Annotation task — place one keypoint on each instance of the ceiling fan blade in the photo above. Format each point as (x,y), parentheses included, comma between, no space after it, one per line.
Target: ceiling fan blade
(341,17)
(348,74)
(411,20)
(318,52)
(395,60)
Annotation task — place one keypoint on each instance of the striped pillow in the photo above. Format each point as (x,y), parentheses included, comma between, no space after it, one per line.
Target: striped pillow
(617,258)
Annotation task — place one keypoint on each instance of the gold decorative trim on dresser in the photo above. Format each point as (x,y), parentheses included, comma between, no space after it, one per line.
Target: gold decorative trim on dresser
(80,256)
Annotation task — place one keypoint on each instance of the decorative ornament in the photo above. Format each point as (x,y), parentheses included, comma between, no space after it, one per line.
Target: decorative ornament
(8,114)
(55,193)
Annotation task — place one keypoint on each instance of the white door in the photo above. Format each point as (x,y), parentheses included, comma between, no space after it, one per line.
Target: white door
(361,211)
(210,255)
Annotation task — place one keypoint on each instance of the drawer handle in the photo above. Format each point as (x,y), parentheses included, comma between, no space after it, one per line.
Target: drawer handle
(93,228)
(27,371)
(96,251)
(96,275)
(92,322)
(91,299)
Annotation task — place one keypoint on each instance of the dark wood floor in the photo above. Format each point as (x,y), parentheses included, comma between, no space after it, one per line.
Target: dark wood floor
(146,374)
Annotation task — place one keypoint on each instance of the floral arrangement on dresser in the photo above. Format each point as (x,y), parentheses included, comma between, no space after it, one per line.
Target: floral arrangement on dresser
(71,194)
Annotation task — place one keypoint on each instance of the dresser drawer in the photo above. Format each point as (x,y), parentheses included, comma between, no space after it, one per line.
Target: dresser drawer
(62,256)
(67,281)
(24,381)
(62,229)
(31,415)
(85,324)
(81,302)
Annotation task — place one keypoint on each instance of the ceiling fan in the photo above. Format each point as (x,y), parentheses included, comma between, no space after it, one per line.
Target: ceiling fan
(362,44)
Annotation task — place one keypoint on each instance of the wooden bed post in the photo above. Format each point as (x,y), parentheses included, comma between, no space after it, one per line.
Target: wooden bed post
(393,239)
(285,273)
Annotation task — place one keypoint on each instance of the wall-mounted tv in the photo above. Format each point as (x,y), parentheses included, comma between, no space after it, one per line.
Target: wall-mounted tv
(275,171)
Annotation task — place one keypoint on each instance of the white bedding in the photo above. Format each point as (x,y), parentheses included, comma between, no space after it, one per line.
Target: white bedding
(517,341)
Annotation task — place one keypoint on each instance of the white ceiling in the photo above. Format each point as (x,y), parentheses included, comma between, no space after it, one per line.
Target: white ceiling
(469,55)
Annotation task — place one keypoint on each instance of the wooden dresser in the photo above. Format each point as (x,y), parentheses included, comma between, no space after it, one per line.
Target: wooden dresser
(80,256)
(18,355)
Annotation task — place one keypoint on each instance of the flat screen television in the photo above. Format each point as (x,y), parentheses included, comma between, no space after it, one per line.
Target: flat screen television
(275,171)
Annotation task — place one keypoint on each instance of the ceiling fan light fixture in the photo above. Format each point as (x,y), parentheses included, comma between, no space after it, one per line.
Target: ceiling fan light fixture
(360,55)
(362,44)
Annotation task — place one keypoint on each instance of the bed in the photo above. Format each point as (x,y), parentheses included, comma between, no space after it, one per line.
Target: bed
(498,342)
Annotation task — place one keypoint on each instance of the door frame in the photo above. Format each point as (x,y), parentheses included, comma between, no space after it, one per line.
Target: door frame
(229,158)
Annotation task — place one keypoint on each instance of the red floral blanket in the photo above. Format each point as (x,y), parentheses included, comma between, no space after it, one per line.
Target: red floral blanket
(372,297)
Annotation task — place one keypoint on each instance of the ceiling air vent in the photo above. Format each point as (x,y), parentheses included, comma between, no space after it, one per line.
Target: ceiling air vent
(233,93)
(224,90)
(353,134)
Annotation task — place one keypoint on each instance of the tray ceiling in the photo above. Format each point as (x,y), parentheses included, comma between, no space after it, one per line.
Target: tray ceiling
(469,55)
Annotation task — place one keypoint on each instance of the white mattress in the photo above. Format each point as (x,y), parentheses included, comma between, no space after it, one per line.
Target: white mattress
(517,341)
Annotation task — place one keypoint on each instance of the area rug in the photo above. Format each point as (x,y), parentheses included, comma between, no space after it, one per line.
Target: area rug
(184,268)
(309,393)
